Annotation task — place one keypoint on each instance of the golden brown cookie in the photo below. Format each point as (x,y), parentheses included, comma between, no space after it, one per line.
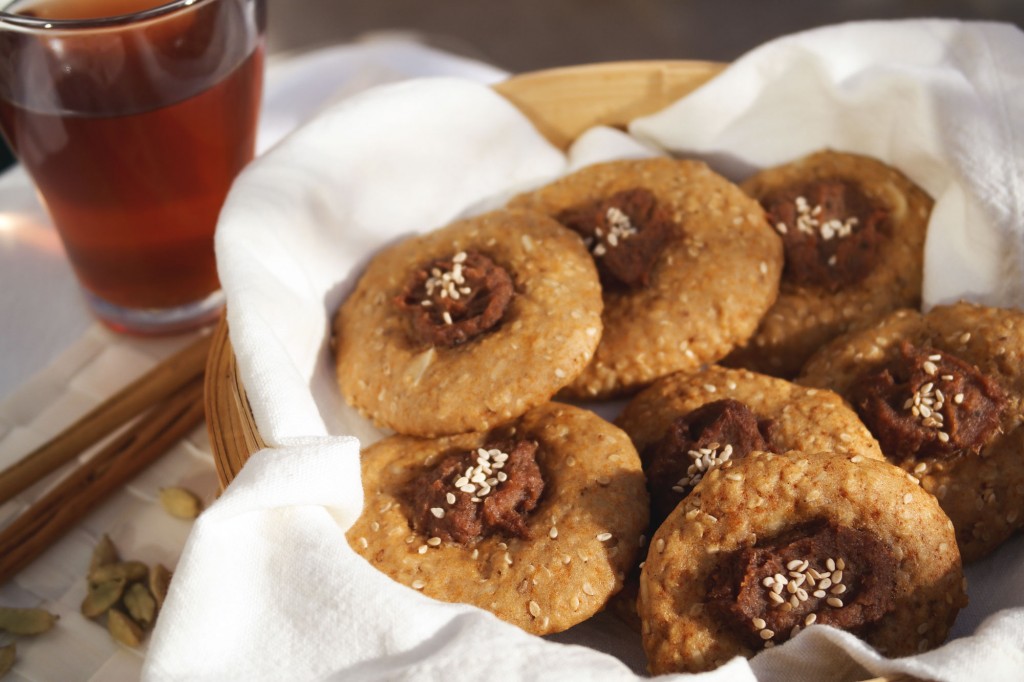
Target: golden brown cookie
(685,425)
(469,326)
(942,393)
(853,229)
(779,543)
(555,552)
(688,265)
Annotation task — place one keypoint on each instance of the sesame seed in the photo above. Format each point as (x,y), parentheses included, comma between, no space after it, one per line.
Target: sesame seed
(929,367)
(475,555)
(820,594)
(759,623)
(434,542)
(921,468)
(660,545)
(437,512)
(766,634)
(856,459)
(422,549)
(418,584)
(450,497)
(534,609)
(588,590)
(363,543)
(508,558)
(810,619)
(908,498)
(776,598)
(604,537)
(553,533)
(794,564)
(763,267)
(834,602)
(838,589)
(841,563)
(965,337)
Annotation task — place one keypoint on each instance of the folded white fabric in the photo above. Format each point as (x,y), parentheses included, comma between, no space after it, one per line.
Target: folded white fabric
(267,588)
(940,100)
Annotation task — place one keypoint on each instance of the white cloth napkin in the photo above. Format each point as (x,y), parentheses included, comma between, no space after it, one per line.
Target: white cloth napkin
(267,588)
(940,100)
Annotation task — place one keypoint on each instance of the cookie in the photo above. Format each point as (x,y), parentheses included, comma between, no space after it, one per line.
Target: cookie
(942,393)
(685,425)
(779,543)
(688,265)
(469,326)
(853,229)
(536,521)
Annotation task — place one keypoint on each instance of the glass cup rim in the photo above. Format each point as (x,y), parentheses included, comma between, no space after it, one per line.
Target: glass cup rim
(23,21)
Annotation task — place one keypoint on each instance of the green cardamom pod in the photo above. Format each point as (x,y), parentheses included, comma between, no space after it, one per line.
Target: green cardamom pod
(101,597)
(123,629)
(26,621)
(180,503)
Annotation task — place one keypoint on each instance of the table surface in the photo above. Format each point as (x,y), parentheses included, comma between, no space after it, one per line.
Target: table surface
(48,334)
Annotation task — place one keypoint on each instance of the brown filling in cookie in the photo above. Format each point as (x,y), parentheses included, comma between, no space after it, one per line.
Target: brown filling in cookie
(929,403)
(473,494)
(453,300)
(625,233)
(818,572)
(714,435)
(832,233)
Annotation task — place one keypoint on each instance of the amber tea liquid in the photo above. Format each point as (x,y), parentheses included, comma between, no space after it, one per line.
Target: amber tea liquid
(133,135)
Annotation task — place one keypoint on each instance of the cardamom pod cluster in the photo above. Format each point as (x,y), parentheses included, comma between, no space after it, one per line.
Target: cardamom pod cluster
(128,594)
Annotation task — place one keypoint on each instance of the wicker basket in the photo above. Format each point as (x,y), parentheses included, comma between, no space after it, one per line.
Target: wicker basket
(562,103)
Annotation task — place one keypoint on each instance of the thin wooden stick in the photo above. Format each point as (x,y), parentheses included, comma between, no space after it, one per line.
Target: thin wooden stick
(161,381)
(130,452)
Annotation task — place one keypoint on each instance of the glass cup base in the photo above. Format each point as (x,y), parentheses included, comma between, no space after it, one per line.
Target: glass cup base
(157,321)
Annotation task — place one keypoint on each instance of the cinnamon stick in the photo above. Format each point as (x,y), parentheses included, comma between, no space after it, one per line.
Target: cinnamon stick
(105,472)
(161,381)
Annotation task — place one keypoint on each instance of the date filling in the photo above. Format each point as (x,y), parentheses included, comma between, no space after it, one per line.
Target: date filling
(473,494)
(818,572)
(712,436)
(625,234)
(928,403)
(453,300)
(832,233)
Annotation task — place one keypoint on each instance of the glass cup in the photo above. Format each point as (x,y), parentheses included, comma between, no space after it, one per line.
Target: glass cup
(133,117)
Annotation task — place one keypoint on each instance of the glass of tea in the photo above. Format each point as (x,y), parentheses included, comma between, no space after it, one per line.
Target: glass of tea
(133,117)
